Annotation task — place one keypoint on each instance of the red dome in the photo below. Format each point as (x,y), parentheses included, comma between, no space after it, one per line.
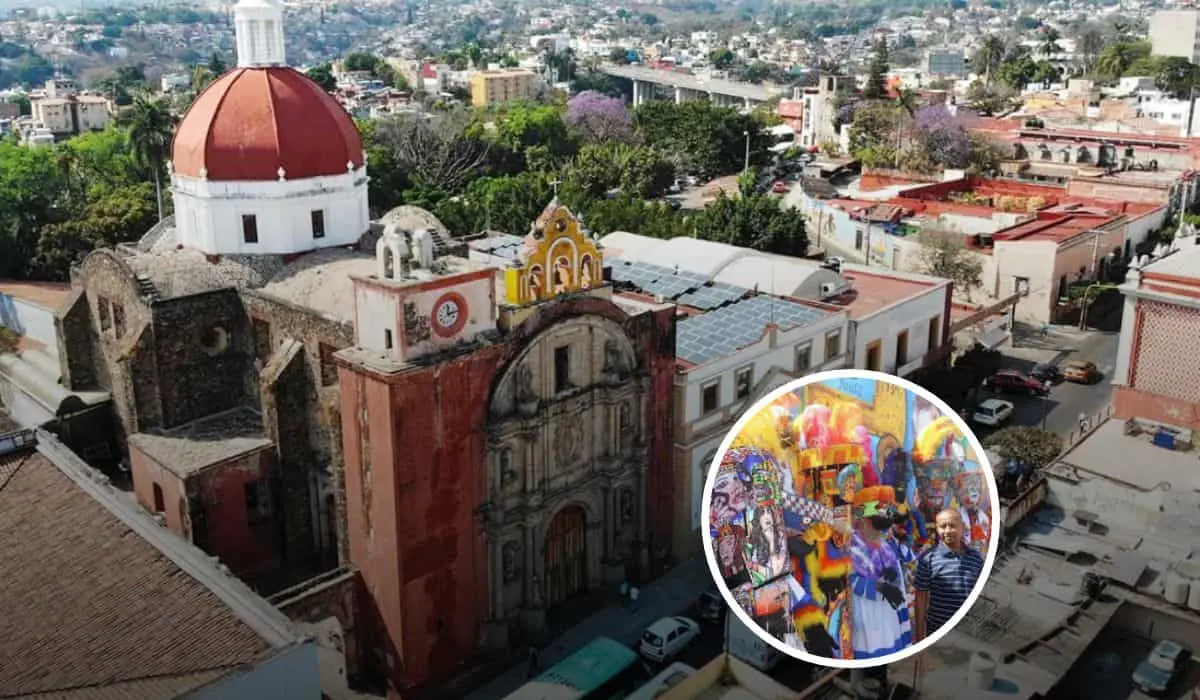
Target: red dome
(252,121)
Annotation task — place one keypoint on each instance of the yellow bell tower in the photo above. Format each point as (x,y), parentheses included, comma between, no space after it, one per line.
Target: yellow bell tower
(557,258)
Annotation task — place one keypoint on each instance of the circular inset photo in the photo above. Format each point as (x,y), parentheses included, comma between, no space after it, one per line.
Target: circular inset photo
(850,519)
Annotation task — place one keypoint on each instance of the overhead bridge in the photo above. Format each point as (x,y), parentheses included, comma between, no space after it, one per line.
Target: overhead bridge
(650,83)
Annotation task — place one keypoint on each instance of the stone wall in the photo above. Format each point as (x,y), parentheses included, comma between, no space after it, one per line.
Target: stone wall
(306,413)
(338,595)
(203,351)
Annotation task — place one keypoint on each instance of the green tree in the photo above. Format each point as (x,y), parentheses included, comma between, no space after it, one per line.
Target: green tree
(1027,445)
(989,57)
(625,213)
(151,128)
(119,215)
(877,72)
(216,64)
(721,58)
(1176,76)
(322,74)
(509,204)
(992,99)
(1089,44)
(703,139)
(524,125)
(756,222)
(360,61)
(944,254)
(31,183)
(874,134)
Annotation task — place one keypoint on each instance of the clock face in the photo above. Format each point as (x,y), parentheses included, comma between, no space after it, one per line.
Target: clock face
(449,314)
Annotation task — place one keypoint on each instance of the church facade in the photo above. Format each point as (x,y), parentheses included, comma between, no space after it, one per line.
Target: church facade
(507,443)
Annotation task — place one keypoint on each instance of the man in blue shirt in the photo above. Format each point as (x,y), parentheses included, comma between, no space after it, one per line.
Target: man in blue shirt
(945,575)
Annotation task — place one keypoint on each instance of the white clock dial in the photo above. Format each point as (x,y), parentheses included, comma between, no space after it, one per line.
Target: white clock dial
(447,314)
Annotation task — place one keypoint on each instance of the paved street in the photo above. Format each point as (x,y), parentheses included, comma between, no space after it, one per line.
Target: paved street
(1066,401)
(672,594)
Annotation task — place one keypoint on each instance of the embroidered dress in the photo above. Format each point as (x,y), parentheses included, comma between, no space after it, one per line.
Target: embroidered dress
(878,628)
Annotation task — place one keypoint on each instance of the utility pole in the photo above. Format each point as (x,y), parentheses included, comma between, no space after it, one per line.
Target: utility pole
(746,167)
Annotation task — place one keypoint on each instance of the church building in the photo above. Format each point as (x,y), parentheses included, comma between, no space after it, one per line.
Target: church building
(507,440)
(298,388)
(214,334)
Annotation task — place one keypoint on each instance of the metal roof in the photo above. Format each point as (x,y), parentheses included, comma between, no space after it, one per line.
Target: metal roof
(724,331)
(501,245)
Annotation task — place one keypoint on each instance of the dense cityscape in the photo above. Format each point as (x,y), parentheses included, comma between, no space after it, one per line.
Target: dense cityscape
(383,350)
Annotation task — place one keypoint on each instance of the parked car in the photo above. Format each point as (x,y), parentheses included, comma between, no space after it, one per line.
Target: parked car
(1046,372)
(667,637)
(992,412)
(710,607)
(1156,673)
(1081,372)
(780,187)
(1011,381)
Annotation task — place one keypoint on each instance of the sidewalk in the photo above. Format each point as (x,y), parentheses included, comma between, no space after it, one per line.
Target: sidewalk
(668,595)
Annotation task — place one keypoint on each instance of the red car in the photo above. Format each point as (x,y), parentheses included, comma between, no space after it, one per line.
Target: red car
(780,187)
(1010,381)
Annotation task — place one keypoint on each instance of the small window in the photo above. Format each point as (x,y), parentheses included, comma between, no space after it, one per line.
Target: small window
(710,397)
(329,373)
(387,338)
(249,228)
(105,310)
(803,357)
(901,349)
(262,339)
(833,345)
(318,223)
(118,319)
(258,501)
(160,503)
(874,356)
(934,332)
(562,369)
(742,381)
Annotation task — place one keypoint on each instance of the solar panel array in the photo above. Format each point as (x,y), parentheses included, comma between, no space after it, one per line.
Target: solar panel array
(724,331)
(504,245)
(680,286)
(713,296)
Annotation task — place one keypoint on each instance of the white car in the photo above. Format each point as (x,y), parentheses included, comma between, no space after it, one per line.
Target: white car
(667,637)
(993,412)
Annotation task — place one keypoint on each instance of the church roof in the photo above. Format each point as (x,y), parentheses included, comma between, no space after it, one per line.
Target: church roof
(140,614)
(251,122)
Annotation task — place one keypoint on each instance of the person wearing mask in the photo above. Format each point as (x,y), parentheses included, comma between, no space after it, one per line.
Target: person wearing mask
(946,574)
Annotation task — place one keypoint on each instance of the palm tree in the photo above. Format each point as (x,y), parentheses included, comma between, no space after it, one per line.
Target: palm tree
(151,126)
(1048,46)
(907,98)
(989,56)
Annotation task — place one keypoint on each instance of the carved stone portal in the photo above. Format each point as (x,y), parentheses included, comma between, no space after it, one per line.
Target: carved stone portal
(416,327)
(570,440)
(511,564)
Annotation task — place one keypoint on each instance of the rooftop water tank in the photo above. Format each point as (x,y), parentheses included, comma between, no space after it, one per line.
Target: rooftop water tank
(1176,589)
(981,673)
(1193,600)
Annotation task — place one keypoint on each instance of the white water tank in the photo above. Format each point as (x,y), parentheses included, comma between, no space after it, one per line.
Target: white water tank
(1193,600)
(981,674)
(1175,589)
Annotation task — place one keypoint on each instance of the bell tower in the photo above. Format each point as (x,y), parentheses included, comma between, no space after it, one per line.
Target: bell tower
(258,27)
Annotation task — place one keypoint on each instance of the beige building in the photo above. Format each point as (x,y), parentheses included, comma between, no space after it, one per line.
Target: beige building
(489,87)
(64,112)
(1176,33)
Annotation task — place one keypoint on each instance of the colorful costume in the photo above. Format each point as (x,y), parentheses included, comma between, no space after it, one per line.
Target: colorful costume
(879,598)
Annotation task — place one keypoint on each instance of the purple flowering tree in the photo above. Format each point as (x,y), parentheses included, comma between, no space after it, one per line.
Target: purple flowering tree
(942,136)
(599,118)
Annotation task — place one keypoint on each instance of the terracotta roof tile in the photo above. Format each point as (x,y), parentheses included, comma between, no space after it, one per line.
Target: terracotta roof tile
(91,604)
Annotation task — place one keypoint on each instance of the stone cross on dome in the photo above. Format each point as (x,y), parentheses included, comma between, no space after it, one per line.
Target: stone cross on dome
(258,27)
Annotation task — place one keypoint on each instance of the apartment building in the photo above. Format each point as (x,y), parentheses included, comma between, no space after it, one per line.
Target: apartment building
(497,86)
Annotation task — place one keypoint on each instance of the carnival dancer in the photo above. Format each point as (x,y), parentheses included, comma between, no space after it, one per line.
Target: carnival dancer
(881,623)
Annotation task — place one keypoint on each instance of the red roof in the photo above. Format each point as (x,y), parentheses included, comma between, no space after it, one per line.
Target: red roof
(252,121)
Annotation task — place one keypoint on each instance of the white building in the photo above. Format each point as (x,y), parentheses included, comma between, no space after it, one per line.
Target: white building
(307,186)
(1156,105)
(818,126)
(734,346)
(1176,33)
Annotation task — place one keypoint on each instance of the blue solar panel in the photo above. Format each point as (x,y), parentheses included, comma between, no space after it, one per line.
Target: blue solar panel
(726,330)
(713,296)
